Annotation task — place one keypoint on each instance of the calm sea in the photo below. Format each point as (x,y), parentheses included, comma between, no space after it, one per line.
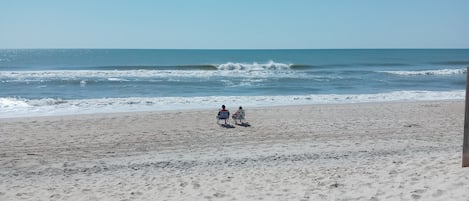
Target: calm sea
(37,82)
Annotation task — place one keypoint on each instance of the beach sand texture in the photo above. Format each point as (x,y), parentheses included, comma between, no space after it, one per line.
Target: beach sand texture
(373,151)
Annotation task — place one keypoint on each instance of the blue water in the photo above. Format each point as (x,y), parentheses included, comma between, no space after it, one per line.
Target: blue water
(67,81)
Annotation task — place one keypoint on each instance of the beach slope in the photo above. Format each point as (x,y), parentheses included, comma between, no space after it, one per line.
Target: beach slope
(372,151)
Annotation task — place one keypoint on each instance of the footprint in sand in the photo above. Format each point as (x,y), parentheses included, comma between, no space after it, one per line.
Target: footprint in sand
(417,193)
(195,185)
(438,193)
(415,196)
(219,195)
(136,193)
(24,195)
(55,196)
(183,184)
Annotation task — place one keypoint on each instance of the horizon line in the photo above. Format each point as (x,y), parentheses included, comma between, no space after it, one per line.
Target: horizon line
(83,48)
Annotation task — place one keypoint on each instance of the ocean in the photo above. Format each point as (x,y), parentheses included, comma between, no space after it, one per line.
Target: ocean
(41,82)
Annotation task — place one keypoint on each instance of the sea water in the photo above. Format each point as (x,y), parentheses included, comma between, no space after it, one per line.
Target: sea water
(35,82)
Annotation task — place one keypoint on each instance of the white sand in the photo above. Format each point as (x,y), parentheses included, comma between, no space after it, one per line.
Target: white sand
(378,151)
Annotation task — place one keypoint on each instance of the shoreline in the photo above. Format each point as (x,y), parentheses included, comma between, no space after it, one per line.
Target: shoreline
(360,151)
(18,107)
(231,108)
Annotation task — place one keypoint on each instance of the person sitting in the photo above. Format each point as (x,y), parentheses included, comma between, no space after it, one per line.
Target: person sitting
(223,114)
(239,115)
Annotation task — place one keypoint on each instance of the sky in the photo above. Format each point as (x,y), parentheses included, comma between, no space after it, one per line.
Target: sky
(235,24)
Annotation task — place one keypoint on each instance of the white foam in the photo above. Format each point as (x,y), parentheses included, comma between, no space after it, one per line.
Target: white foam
(83,83)
(117,79)
(271,65)
(125,75)
(17,107)
(428,72)
(8,103)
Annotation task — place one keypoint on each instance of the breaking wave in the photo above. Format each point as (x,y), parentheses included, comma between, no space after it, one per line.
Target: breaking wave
(427,72)
(254,66)
(270,69)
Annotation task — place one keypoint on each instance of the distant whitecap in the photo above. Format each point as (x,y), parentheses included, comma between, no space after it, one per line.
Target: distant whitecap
(427,72)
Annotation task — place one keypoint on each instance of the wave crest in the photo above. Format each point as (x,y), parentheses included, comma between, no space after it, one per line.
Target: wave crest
(428,72)
(271,65)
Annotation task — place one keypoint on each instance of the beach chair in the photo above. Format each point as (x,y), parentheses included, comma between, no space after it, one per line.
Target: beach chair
(223,115)
(238,116)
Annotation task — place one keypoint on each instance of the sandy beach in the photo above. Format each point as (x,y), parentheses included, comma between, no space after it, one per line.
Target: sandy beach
(372,151)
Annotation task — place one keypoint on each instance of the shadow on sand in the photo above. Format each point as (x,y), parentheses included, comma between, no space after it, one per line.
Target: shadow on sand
(227,126)
(245,124)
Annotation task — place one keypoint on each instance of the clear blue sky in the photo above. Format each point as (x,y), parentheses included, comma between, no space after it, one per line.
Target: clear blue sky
(237,24)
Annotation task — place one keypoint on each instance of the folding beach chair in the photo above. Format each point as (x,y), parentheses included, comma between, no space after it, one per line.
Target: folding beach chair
(238,116)
(223,115)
